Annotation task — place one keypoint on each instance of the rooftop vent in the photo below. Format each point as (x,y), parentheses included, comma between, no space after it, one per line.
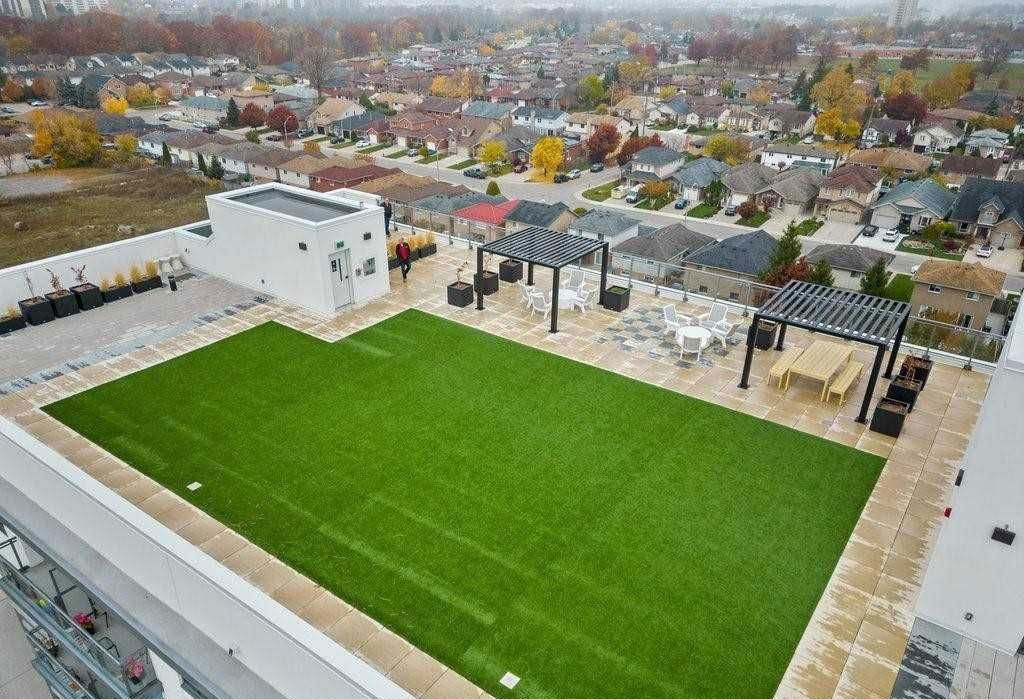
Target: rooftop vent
(1003,535)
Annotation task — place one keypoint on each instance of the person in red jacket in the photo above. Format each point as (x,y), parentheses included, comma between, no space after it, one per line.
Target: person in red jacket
(404,254)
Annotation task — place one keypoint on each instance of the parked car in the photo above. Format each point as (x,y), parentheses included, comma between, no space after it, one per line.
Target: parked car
(199,124)
(730,210)
(597,167)
(275,137)
(6,110)
(985,250)
(412,152)
(37,103)
(561,177)
(573,174)
(889,235)
(633,195)
(475,173)
(304,133)
(682,203)
(363,144)
(211,129)
(519,167)
(808,140)
(869,231)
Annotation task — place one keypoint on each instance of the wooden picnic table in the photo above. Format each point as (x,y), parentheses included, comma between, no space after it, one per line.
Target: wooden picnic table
(821,361)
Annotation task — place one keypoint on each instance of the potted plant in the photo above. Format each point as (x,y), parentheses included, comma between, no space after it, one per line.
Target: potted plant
(87,295)
(488,280)
(429,246)
(145,279)
(134,670)
(414,246)
(916,368)
(51,646)
(510,271)
(11,320)
(86,622)
(904,390)
(64,303)
(889,416)
(460,293)
(616,298)
(116,290)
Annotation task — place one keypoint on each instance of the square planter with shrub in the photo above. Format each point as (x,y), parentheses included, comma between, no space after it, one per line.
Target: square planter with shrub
(88,296)
(889,417)
(764,337)
(905,391)
(510,271)
(616,298)
(916,368)
(11,320)
(64,303)
(488,284)
(460,294)
(36,310)
(116,290)
(146,279)
(429,248)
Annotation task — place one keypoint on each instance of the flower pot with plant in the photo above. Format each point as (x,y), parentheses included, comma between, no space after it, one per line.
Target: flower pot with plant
(429,244)
(414,246)
(616,298)
(510,271)
(145,279)
(134,670)
(87,294)
(487,281)
(86,622)
(115,290)
(35,309)
(64,303)
(889,417)
(460,293)
(11,320)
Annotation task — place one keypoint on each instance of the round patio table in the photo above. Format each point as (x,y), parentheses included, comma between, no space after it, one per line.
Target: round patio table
(694,331)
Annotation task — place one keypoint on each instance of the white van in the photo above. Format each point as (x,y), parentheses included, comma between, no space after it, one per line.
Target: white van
(633,195)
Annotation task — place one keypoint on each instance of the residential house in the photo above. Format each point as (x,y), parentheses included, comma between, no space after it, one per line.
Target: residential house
(652,164)
(989,143)
(957,168)
(692,179)
(787,122)
(637,109)
(489,110)
(882,131)
(604,225)
(205,110)
(526,213)
(94,89)
(674,109)
(296,171)
(483,221)
(781,156)
(961,293)
(439,106)
(397,101)
(466,134)
(243,98)
(1001,102)
(356,126)
(332,109)
(582,124)
(736,118)
(895,161)
(655,255)
(848,262)
(912,205)
(792,192)
(992,210)
(180,144)
(705,116)
(937,137)
(254,160)
(723,269)
(548,122)
(847,193)
(338,177)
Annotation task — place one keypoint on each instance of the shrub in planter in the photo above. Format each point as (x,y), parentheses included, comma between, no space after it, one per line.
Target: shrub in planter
(889,416)
(87,295)
(85,621)
(510,271)
(36,310)
(64,303)
(487,282)
(116,290)
(145,280)
(916,368)
(616,298)
(429,246)
(460,293)
(11,320)
(904,390)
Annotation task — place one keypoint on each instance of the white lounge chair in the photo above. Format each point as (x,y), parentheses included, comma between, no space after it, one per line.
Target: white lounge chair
(575,280)
(723,330)
(692,345)
(586,300)
(718,313)
(674,321)
(540,303)
(526,291)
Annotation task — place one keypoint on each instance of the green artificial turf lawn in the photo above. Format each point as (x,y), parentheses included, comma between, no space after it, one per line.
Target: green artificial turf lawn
(503,508)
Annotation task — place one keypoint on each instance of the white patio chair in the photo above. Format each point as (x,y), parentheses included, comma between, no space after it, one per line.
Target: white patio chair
(692,345)
(674,321)
(575,280)
(526,292)
(718,313)
(586,300)
(723,330)
(540,303)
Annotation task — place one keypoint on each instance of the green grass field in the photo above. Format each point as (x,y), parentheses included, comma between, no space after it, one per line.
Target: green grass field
(503,508)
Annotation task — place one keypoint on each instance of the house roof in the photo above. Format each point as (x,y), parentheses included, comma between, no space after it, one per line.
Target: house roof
(656,156)
(603,222)
(798,184)
(932,196)
(802,150)
(891,157)
(886,125)
(746,253)
(851,258)
(337,173)
(448,202)
(1008,197)
(205,102)
(749,178)
(966,276)
(700,172)
(538,113)
(487,110)
(439,105)
(971,165)
(484,212)
(535,213)
(857,177)
(664,244)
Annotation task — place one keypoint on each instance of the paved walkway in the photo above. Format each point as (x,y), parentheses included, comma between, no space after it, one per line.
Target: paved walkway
(855,641)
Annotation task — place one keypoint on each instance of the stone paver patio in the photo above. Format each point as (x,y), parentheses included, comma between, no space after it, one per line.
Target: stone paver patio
(856,638)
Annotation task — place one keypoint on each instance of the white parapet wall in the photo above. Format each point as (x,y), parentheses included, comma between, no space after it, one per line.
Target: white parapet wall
(971,583)
(245,624)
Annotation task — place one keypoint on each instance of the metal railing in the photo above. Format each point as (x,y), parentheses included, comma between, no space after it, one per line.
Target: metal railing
(923,335)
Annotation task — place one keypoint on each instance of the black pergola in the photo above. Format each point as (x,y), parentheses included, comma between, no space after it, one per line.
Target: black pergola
(547,248)
(842,313)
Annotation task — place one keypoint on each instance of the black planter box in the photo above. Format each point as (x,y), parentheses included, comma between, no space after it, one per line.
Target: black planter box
(63,304)
(889,416)
(147,284)
(9,325)
(616,298)
(905,391)
(489,285)
(764,338)
(510,271)
(414,254)
(88,296)
(916,368)
(428,250)
(392,263)
(460,294)
(36,311)
(116,293)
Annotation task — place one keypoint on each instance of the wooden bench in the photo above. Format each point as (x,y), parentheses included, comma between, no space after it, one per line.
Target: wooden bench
(780,369)
(846,379)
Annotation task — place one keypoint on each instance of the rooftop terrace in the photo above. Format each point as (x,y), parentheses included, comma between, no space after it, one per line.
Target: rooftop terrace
(313,209)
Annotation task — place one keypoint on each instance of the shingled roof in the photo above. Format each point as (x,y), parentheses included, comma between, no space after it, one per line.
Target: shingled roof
(966,276)
(668,244)
(851,258)
(746,253)
(1007,197)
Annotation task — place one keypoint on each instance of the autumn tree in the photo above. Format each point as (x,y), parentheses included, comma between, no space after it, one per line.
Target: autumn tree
(12,92)
(868,62)
(282,119)
(139,95)
(634,74)
(115,106)
(994,53)
(72,140)
(667,92)
(759,95)
(699,50)
(902,81)
(602,142)
(252,115)
(634,144)
(906,106)
(125,147)
(44,89)
(836,91)
(592,91)
(316,65)
(547,156)
(916,60)
(161,95)
(831,123)
(728,149)
(492,153)
(655,190)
